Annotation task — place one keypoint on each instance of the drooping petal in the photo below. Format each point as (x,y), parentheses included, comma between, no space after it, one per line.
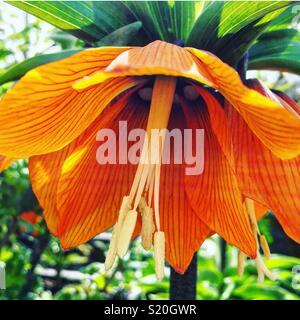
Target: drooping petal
(264,177)
(157,58)
(277,128)
(260,210)
(5,162)
(89,194)
(215,194)
(45,170)
(44,173)
(42,113)
(184,230)
(287,102)
(219,123)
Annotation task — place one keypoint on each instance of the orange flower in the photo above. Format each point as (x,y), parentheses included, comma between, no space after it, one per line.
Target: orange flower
(262,176)
(30,217)
(53,114)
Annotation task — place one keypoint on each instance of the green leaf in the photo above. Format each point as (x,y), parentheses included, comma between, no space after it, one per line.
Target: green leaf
(122,36)
(286,18)
(87,20)
(166,20)
(277,50)
(229,28)
(263,292)
(18,70)
(65,40)
(4,53)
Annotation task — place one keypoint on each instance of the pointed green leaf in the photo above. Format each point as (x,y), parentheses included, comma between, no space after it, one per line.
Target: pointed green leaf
(277,50)
(87,20)
(18,70)
(229,28)
(122,36)
(166,20)
(287,18)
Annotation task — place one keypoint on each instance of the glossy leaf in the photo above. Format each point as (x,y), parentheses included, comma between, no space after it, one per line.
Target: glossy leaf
(277,50)
(166,20)
(87,20)
(287,18)
(228,28)
(122,36)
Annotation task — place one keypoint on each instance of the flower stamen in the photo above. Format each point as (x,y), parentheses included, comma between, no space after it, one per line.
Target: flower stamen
(262,270)
(126,232)
(146,182)
(112,250)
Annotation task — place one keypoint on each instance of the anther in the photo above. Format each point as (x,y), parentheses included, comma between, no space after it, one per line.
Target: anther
(241,263)
(142,204)
(159,254)
(112,250)
(262,270)
(147,228)
(126,232)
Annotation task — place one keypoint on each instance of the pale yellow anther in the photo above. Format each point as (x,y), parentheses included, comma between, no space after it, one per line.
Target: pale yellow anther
(125,207)
(260,273)
(112,250)
(262,270)
(159,254)
(148,228)
(265,247)
(142,204)
(126,232)
(241,263)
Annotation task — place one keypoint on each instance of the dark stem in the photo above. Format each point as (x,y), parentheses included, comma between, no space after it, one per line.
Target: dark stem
(37,251)
(223,247)
(242,67)
(183,286)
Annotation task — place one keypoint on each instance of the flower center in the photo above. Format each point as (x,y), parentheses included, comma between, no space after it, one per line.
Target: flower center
(144,193)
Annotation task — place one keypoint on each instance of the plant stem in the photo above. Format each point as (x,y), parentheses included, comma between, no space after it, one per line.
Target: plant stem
(242,67)
(183,286)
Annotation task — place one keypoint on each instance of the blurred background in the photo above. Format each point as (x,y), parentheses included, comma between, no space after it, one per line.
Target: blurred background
(36,266)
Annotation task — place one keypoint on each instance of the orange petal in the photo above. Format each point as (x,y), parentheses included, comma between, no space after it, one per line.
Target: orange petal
(184,231)
(264,177)
(278,129)
(287,102)
(5,162)
(215,194)
(260,210)
(219,123)
(89,194)
(44,173)
(157,58)
(45,170)
(42,113)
